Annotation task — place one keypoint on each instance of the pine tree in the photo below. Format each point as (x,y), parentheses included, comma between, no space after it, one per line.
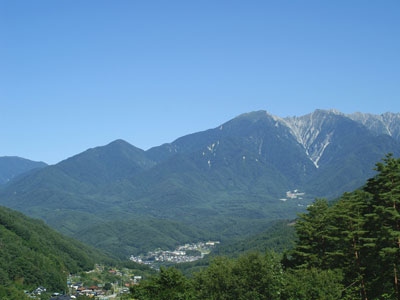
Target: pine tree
(383,224)
(346,231)
(312,232)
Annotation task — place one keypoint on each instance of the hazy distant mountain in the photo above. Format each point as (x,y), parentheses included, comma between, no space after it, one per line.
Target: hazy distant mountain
(253,168)
(12,166)
(102,165)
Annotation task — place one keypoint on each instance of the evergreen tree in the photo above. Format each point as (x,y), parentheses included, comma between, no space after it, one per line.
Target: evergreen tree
(346,231)
(383,227)
(312,230)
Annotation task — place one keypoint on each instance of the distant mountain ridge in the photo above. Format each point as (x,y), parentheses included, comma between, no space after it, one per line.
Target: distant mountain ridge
(13,166)
(253,168)
(387,123)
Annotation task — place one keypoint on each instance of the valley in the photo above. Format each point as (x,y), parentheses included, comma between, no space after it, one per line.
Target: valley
(199,150)
(219,184)
(241,184)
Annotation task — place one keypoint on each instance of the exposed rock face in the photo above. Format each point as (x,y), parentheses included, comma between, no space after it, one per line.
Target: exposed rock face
(387,123)
(313,131)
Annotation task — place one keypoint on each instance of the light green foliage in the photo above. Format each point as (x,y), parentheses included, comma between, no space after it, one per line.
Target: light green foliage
(169,284)
(251,276)
(312,284)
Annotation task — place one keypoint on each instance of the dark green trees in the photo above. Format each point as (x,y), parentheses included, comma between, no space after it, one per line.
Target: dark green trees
(383,225)
(359,235)
(312,233)
(32,254)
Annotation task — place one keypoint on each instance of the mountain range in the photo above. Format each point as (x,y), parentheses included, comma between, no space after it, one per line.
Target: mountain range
(13,166)
(223,182)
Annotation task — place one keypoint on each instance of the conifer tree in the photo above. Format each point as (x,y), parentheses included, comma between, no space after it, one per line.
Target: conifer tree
(383,225)
(312,232)
(346,231)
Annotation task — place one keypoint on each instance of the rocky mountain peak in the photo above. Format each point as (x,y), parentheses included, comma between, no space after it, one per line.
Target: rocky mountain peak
(387,123)
(312,131)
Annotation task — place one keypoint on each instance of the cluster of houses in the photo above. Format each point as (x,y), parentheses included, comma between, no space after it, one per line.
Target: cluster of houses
(55,296)
(79,290)
(63,297)
(293,195)
(123,281)
(180,255)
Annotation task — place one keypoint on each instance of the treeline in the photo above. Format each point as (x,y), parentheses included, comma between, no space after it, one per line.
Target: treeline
(348,250)
(250,277)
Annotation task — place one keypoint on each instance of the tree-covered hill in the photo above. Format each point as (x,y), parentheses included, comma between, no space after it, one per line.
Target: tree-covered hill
(32,254)
(122,238)
(279,237)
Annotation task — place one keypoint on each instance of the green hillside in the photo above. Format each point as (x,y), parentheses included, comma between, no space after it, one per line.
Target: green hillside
(123,238)
(32,254)
(279,237)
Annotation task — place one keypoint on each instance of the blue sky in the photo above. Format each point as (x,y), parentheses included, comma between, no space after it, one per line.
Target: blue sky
(78,74)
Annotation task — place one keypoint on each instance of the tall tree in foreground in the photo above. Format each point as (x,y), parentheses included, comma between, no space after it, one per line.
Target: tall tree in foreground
(346,231)
(312,243)
(383,226)
(359,235)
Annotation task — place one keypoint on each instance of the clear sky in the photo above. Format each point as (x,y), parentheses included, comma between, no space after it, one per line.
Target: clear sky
(77,74)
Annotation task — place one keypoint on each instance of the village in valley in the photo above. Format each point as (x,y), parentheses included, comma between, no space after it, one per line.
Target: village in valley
(184,253)
(101,283)
(105,283)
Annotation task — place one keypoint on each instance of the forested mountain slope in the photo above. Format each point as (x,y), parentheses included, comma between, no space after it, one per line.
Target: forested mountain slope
(13,166)
(32,254)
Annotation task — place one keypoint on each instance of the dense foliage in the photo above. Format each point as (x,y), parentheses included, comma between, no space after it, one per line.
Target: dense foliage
(359,235)
(280,236)
(12,293)
(349,250)
(32,254)
(250,277)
